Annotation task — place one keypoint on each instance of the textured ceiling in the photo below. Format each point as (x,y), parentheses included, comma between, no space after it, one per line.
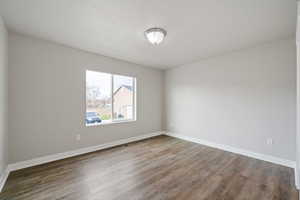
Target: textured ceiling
(196,28)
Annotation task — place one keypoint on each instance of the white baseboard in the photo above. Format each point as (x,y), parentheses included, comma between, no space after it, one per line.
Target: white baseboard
(3,178)
(268,158)
(59,156)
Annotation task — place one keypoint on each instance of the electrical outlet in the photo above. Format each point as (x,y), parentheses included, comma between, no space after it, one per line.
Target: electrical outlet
(270,141)
(78,137)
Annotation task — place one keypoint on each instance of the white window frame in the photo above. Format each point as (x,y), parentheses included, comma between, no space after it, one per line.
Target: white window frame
(115,121)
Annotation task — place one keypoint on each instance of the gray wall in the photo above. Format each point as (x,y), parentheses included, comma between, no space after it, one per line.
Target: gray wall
(3,97)
(47,98)
(239,99)
(298,96)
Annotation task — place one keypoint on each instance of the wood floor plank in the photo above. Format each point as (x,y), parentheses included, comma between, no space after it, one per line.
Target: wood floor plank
(161,168)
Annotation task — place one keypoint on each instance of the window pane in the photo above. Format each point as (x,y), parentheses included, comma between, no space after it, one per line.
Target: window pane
(98,97)
(123,97)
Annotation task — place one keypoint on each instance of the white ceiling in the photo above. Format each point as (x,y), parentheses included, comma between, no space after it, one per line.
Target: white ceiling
(196,28)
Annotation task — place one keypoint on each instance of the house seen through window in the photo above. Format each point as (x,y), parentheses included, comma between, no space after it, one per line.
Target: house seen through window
(109,98)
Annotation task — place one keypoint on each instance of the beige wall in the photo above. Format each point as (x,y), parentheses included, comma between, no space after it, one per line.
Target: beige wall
(3,98)
(239,99)
(47,98)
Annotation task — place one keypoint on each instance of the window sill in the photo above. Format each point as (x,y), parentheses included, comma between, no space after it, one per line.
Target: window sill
(110,123)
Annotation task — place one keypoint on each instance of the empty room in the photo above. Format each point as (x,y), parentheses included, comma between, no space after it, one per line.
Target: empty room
(149,100)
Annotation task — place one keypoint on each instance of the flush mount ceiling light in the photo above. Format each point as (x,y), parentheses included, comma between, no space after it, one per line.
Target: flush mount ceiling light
(155,35)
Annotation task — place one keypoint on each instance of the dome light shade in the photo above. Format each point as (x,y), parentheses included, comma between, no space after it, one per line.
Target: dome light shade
(155,35)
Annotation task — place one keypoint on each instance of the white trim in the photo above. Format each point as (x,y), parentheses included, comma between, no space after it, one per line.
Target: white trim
(112,96)
(3,178)
(59,156)
(134,99)
(268,158)
(297,178)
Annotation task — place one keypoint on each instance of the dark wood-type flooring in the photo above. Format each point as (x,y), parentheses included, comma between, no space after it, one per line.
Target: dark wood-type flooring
(160,168)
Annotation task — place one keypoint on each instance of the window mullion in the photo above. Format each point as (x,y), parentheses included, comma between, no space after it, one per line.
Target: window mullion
(133,99)
(112,97)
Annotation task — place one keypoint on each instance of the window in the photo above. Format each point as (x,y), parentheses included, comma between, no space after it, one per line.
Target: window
(109,98)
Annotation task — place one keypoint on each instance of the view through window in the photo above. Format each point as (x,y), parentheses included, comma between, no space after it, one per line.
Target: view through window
(109,98)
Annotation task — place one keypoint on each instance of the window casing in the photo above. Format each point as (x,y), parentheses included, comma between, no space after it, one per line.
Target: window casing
(110,98)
